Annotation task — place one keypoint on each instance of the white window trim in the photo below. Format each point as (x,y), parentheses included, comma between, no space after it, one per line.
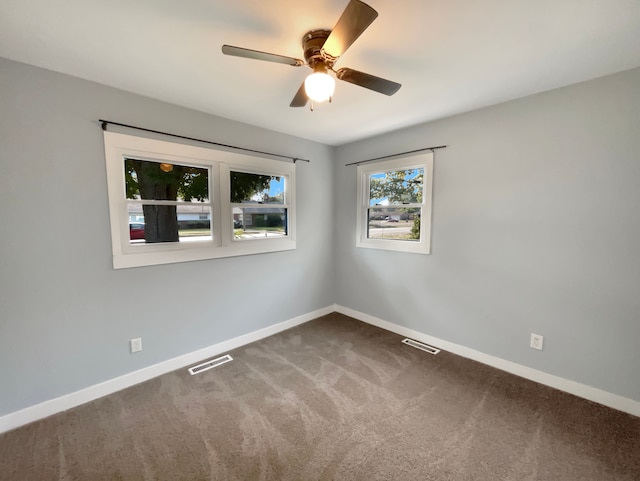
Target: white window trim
(118,146)
(423,246)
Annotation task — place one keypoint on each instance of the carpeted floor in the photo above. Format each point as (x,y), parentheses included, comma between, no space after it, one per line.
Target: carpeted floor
(333,399)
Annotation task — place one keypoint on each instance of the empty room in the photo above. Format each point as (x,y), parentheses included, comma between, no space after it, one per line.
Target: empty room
(332,240)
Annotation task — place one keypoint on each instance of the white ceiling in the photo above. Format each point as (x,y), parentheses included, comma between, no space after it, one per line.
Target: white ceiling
(450,56)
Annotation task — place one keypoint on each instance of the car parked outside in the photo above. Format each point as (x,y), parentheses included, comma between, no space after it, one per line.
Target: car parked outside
(136,231)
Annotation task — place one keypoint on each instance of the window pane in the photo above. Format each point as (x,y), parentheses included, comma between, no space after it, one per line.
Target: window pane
(150,223)
(393,223)
(256,223)
(256,188)
(148,180)
(396,187)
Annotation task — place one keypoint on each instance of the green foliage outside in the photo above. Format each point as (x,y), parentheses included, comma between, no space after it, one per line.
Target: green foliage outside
(146,180)
(398,186)
(272,220)
(415,229)
(244,186)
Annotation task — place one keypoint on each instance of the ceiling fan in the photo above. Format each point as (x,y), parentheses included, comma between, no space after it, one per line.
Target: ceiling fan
(322,49)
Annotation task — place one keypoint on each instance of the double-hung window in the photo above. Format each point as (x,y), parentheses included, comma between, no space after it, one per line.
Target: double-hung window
(394,204)
(258,213)
(172,202)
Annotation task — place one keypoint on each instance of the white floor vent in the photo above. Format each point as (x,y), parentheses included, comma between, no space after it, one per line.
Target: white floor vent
(422,346)
(210,364)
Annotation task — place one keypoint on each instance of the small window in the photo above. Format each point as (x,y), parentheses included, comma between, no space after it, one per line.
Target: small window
(172,202)
(394,204)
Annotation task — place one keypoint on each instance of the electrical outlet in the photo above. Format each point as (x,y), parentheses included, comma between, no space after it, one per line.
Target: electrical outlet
(536,341)
(136,344)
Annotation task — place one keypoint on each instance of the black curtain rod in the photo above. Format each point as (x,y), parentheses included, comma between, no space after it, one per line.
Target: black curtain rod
(395,155)
(294,159)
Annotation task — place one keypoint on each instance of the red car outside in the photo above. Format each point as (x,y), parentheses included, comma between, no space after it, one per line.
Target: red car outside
(136,231)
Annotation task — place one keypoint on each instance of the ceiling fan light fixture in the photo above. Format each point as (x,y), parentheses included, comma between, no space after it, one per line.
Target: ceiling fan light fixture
(319,86)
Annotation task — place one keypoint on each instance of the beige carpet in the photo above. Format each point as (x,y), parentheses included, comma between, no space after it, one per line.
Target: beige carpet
(333,399)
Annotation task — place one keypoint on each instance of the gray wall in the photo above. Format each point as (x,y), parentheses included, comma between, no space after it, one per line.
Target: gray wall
(535,229)
(65,315)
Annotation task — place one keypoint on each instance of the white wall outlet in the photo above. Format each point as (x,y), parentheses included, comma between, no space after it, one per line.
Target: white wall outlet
(536,341)
(136,344)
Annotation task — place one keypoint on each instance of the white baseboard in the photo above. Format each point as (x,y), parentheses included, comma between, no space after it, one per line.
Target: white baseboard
(62,403)
(581,390)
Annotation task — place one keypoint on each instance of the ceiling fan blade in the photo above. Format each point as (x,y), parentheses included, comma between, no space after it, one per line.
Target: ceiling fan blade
(368,81)
(300,99)
(354,20)
(257,55)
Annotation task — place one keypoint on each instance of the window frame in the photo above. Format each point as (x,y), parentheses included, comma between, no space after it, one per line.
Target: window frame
(219,162)
(248,168)
(364,171)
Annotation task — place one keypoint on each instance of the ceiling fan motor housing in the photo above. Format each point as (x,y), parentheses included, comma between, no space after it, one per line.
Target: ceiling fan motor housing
(312,43)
